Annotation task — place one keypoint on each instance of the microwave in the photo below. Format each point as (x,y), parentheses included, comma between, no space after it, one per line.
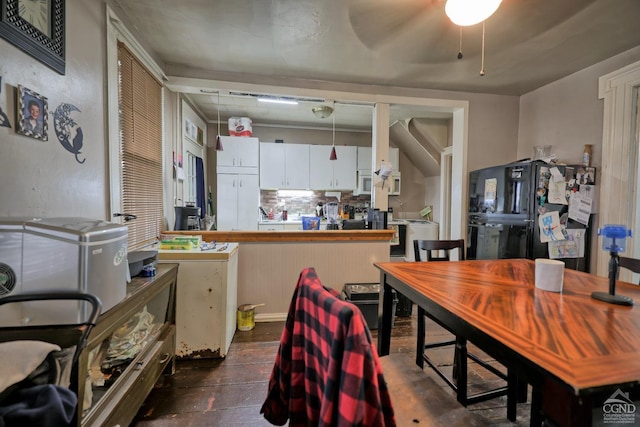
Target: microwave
(365,183)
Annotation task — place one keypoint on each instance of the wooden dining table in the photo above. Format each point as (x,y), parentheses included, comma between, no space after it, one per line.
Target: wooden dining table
(574,350)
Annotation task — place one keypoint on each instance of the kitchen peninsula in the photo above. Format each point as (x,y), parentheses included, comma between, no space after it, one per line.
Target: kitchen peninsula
(269,262)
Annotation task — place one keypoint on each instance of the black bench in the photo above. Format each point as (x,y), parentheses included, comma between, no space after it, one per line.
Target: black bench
(418,400)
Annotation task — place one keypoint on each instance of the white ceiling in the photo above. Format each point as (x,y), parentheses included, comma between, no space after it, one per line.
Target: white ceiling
(396,43)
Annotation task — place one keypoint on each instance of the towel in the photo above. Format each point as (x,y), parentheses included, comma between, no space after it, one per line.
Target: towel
(20,358)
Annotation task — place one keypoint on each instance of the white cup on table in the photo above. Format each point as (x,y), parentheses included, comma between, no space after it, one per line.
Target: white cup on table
(549,274)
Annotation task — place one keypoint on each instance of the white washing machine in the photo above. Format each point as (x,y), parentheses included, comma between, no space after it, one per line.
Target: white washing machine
(419,229)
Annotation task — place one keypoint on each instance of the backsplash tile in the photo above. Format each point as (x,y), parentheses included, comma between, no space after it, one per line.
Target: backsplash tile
(269,199)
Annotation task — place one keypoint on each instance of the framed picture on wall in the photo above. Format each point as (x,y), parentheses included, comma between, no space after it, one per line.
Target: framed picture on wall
(200,136)
(190,129)
(31,114)
(36,27)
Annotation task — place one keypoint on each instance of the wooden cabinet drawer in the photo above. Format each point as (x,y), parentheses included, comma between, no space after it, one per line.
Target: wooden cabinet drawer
(121,404)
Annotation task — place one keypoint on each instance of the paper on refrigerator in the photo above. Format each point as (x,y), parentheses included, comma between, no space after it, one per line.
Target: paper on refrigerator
(557,188)
(580,208)
(572,247)
(550,227)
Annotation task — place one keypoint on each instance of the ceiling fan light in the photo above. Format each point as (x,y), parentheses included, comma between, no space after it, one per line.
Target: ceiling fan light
(470,12)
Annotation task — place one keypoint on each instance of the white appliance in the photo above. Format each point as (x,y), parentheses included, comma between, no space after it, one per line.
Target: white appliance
(418,229)
(364,182)
(11,234)
(331,210)
(66,253)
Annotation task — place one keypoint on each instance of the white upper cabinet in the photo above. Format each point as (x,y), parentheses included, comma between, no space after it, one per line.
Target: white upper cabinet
(284,165)
(272,165)
(239,155)
(325,174)
(297,166)
(364,158)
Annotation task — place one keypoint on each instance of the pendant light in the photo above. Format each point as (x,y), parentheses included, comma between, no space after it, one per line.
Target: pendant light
(218,140)
(333,155)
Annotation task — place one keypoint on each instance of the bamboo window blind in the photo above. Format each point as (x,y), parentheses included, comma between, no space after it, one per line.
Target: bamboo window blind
(140,103)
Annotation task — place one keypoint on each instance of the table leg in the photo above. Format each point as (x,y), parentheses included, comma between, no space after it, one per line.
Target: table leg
(535,419)
(522,390)
(564,408)
(461,369)
(421,338)
(385,317)
(512,394)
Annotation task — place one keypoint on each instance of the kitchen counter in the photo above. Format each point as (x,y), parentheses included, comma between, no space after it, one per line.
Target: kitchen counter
(222,251)
(269,262)
(290,235)
(281,222)
(323,222)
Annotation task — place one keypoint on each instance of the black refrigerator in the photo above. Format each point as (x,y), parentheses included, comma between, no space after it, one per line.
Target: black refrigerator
(507,201)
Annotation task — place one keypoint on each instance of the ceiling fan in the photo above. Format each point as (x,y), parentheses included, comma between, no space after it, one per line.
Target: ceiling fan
(420,32)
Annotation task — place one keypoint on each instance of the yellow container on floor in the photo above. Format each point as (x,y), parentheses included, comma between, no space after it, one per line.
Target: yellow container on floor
(246,317)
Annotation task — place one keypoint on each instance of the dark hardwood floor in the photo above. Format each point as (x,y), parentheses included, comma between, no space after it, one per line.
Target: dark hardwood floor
(230,392)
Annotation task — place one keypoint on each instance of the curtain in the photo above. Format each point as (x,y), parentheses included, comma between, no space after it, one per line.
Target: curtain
(201,198)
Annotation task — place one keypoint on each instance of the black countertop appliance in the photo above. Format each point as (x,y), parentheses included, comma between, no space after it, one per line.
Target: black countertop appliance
(187,218)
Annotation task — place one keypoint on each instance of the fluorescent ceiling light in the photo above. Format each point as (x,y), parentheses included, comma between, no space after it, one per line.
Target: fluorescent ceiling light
(278,100)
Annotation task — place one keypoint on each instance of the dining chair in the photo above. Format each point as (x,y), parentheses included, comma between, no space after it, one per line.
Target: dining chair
(631,264)
(442,250)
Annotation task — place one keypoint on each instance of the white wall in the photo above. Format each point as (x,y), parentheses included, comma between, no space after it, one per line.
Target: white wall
(493,130)
(311,136)
(41,178)
(567,113)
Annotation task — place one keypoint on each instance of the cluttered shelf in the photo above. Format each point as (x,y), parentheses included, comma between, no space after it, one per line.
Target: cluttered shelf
(131,345)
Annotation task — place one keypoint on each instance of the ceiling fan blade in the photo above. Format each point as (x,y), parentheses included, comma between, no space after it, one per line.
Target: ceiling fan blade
(375,21)
(410,31)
